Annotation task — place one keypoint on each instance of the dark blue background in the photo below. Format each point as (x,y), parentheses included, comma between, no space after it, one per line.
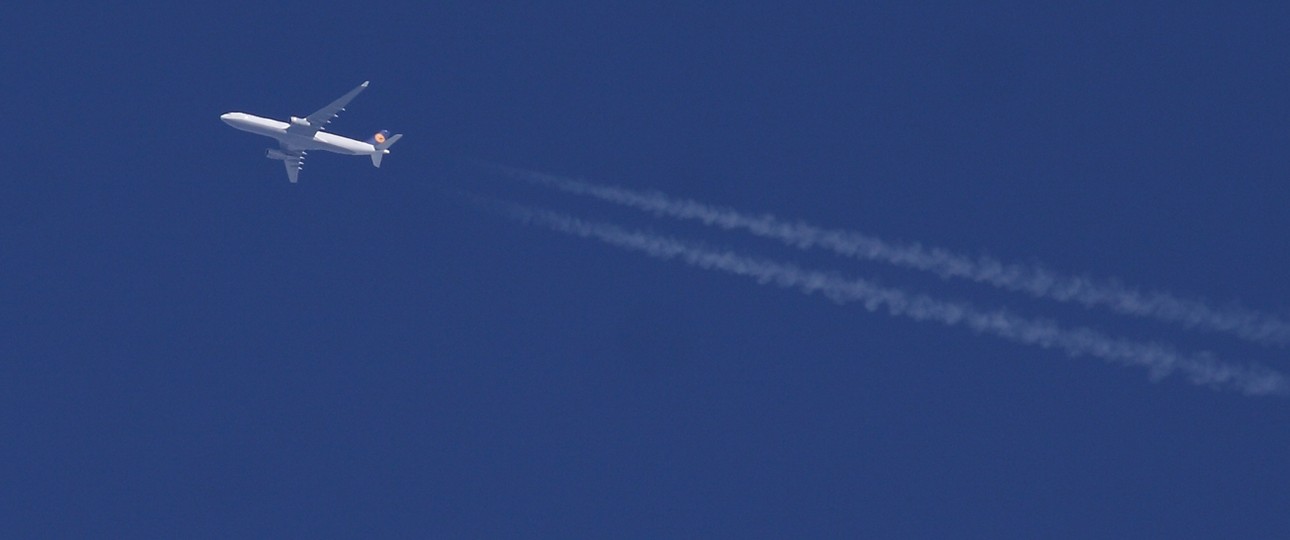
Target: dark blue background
(193,347)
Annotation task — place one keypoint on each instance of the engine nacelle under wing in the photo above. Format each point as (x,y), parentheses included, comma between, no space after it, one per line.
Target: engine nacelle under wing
(274,153)
(302,122)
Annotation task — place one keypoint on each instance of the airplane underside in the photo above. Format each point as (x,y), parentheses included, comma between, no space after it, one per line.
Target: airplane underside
(302,135)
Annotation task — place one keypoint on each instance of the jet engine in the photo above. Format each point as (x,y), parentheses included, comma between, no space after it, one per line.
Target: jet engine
(274,153)
(302,122)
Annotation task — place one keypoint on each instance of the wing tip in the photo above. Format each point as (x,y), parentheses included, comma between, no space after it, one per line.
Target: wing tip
(364,85)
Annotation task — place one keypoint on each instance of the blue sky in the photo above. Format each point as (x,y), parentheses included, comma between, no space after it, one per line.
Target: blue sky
(193,347)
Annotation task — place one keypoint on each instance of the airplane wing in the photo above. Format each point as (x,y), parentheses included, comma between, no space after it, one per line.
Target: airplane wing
(315,122)
(294,160)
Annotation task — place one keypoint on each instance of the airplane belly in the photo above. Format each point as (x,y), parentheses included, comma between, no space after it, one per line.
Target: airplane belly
(258,129)
(343,145)
(302,143)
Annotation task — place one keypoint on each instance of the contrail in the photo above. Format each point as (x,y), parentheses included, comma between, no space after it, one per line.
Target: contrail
(1159,359)
(1252,326)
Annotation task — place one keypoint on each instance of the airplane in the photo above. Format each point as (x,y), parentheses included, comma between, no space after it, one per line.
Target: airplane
(298,137)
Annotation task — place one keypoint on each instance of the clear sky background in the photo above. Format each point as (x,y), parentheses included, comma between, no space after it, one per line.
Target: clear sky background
(193,347)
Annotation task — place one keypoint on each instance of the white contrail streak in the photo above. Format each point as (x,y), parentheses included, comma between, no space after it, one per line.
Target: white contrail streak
(1252,326)
(1160,360)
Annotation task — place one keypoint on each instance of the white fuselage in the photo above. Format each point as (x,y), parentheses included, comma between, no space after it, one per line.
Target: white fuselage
(321,140)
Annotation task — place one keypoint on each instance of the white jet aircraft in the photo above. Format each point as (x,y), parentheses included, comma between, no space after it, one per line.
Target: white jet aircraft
(299,136)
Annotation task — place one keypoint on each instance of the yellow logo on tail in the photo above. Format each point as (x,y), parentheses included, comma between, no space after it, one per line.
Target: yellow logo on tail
(379,138)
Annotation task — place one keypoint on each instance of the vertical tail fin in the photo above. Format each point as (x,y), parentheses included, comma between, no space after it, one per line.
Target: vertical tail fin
(382,144)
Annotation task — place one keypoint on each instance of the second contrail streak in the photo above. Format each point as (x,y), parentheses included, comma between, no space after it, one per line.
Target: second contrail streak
(1033,280)
(1160,360)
